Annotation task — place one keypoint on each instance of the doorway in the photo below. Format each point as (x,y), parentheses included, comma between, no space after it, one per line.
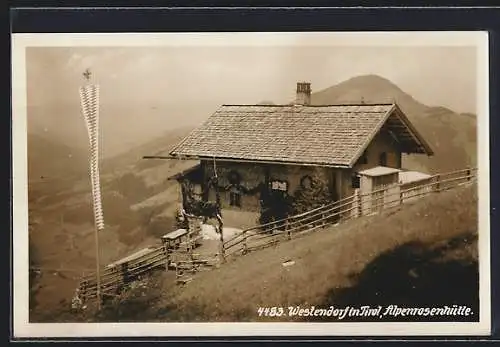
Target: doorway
(275,202)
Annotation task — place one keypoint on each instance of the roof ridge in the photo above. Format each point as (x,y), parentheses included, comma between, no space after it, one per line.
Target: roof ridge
(339,139)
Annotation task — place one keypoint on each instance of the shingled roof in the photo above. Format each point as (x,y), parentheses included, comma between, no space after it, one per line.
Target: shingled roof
(333,135)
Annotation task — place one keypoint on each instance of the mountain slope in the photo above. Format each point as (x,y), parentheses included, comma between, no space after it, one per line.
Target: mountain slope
(49,159)
(122,126)
(367,88)
(405,257)
(157,145)
(451,135)
(139,201)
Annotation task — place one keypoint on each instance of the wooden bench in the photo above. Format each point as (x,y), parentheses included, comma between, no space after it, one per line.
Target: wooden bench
(173,239)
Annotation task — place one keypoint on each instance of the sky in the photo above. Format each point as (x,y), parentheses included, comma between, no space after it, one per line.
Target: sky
(150,89)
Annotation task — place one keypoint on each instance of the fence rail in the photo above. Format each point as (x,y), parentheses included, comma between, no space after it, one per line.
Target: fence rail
(116,276)
(354,206)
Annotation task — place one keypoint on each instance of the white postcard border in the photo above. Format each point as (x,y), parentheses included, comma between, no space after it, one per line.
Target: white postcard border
(20,314)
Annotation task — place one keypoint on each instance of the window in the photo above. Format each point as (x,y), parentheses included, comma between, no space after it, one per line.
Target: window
(234,177)
(306,182)
(355,179)
(279,185)
(235,199)
(383,159)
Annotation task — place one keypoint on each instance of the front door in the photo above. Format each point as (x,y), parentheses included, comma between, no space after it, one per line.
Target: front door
(379,185)
(275,202)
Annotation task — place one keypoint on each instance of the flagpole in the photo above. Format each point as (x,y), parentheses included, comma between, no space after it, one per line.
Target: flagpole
(89,98)
(98,268)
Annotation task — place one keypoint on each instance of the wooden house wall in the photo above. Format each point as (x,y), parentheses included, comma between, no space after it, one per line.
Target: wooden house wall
(382,142)
(254,174)
(339,181)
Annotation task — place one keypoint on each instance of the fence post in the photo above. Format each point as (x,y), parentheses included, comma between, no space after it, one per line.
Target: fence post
(221,252)
(188,238)
(287,228)
(190,228)
(468,174)
(438,185)
(221,244)
(83,290)
(359,202)
(245,246)
(340,214)
(125,275)
(177,274)
(165,252)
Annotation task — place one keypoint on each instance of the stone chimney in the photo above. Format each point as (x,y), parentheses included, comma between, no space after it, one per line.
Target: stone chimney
(303,93)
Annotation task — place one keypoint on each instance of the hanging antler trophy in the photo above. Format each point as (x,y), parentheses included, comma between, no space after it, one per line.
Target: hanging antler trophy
(89,98)
(218,214)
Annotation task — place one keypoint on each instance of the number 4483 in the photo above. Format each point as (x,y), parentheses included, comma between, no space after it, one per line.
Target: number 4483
(270,311)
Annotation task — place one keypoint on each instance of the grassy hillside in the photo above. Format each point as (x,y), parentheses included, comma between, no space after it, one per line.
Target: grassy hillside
(408,257)
(139,202)
(451,135)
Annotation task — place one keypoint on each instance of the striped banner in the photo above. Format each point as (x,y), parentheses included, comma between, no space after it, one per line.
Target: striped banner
(89,98)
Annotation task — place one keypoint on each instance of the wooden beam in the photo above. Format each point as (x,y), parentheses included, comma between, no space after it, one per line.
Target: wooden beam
(158,157)
(275,162)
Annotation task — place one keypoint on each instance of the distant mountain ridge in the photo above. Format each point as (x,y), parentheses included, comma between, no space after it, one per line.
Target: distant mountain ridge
(451,135)
(369,89)
(122,126)
(159,145)
(139,201)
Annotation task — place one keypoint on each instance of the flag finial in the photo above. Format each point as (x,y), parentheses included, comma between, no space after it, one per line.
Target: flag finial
(87,74)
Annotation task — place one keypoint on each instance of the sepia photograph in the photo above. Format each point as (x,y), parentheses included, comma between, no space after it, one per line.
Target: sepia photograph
(293,183)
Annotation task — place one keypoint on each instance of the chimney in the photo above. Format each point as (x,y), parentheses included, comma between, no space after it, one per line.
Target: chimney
(303,93)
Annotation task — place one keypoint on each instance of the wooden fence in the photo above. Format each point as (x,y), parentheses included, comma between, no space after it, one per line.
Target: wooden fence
(354,206)
(117,275)
(186,264)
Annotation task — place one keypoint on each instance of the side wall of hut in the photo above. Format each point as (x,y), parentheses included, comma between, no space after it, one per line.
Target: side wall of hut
(382,143)
(256,177)
(253,178)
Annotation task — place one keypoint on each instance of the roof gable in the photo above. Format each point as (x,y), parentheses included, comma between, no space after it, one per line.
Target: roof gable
(333,135)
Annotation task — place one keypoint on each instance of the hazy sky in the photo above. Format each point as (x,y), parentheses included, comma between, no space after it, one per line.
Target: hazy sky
(179,85)
(433,75)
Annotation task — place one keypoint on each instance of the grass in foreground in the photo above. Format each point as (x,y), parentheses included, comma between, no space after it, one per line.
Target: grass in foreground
(423,254)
